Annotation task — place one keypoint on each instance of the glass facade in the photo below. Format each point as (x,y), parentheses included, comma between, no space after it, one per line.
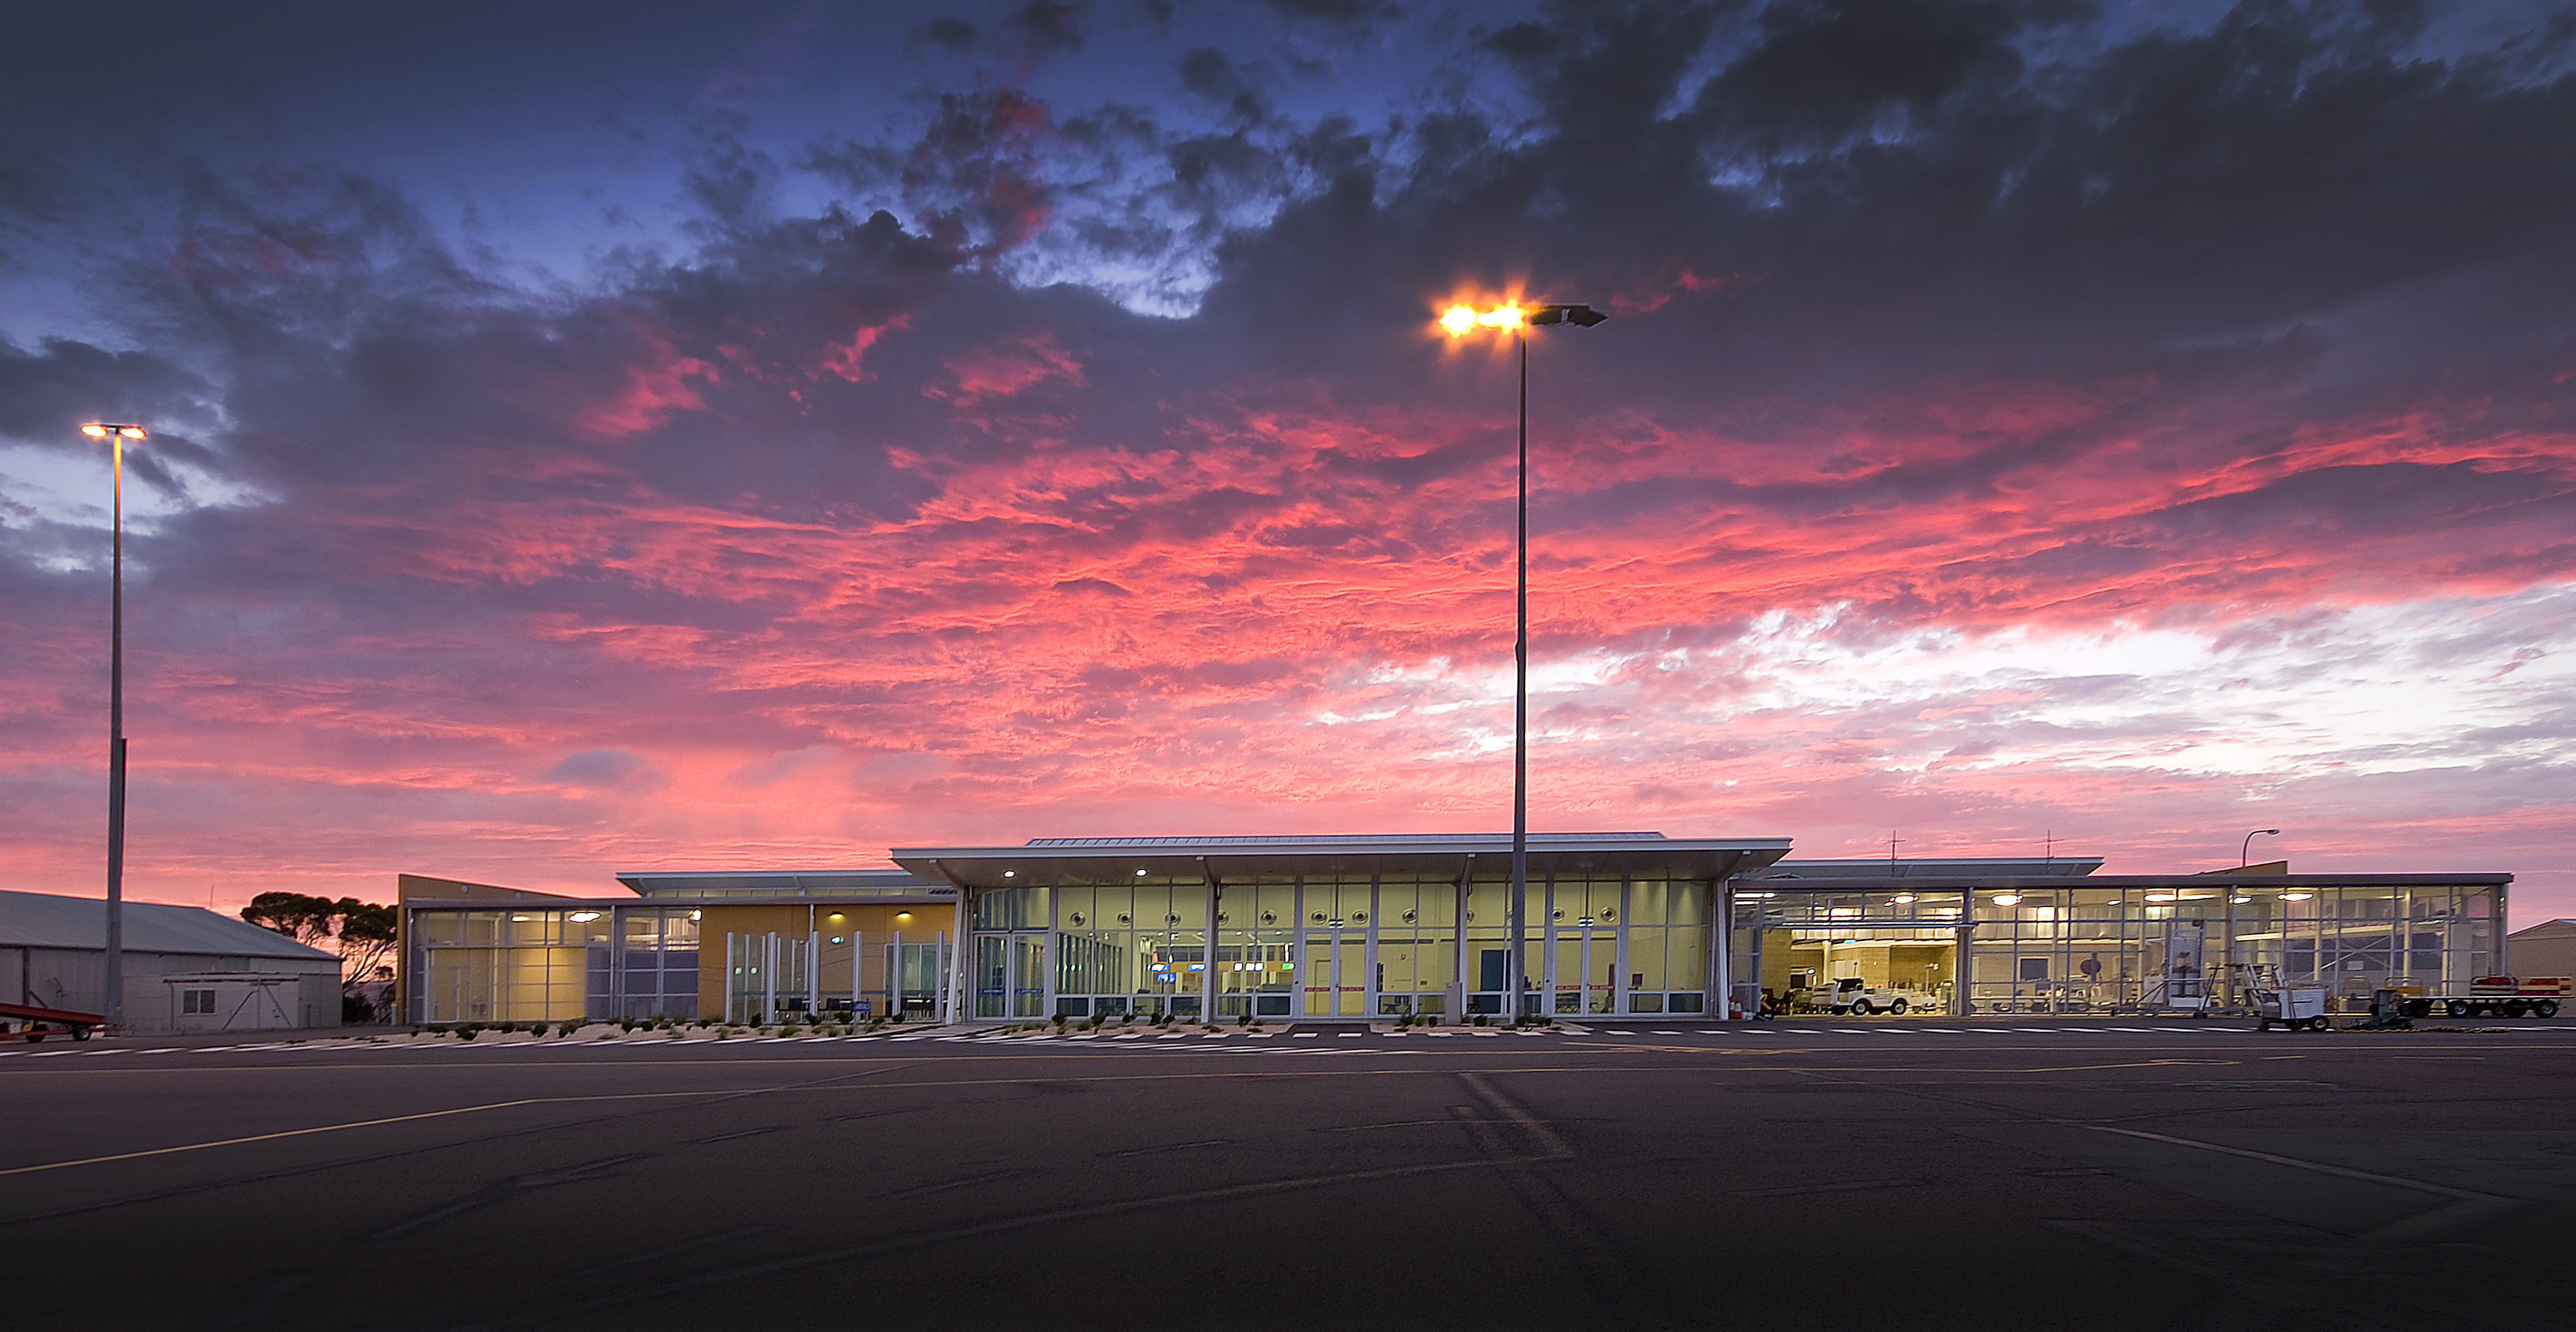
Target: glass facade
(1338,944)
(2126,947)
(606,961)
(510,965)
(1603,934)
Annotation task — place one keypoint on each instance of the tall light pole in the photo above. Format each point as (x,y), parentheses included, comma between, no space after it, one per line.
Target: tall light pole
(1459,321)
(116,435)
(2246,851)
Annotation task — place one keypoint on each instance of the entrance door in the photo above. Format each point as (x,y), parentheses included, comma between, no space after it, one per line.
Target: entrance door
(1334,966)
(1010,975)
(1584,962)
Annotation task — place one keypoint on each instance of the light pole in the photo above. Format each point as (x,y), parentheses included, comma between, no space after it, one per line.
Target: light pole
(2244,853)
(1459,321)
(116,435)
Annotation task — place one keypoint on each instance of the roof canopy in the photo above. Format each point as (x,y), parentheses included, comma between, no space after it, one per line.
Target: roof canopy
(1443,855)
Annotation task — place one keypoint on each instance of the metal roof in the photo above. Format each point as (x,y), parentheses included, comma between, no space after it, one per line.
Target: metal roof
(1470,840)
(1979,882)
(873,882)
(1444,854)
(1915,867)
(41,920)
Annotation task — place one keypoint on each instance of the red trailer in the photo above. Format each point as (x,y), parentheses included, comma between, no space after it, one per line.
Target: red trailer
(35,1024)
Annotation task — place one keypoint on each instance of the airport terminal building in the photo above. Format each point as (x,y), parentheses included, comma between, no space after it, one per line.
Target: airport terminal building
(1359,928)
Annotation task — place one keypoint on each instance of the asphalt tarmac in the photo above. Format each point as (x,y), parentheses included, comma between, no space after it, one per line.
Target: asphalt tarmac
(1854,1175)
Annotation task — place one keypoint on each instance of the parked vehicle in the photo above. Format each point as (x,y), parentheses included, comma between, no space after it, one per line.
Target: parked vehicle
(2295,1007)
(1851,995)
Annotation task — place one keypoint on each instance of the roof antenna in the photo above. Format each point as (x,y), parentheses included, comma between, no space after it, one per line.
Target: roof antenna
(2047,845)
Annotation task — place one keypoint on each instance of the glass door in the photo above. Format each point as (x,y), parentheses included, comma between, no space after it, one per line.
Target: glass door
(1010,975)
(1334,964)
(1586,965)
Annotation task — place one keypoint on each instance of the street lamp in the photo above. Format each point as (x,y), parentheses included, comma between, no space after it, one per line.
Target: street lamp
(2244,854)
(1461,320)
(116,435)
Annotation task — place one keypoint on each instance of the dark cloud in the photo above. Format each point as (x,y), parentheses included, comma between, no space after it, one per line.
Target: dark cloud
(1210,74)
(953,35)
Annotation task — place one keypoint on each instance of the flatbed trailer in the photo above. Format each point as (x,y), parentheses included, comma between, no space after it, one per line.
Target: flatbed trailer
(33,1023)
(2489,996)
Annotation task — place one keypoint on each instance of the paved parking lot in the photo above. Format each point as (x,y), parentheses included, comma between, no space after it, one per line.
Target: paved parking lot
(2112,1174)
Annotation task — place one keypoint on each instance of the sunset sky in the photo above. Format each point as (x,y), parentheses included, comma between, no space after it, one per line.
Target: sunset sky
(594,437)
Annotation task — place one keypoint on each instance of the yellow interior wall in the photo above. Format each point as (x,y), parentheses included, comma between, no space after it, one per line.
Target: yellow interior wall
(874,922)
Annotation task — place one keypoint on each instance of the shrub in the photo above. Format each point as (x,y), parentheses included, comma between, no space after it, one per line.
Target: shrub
(468,1032)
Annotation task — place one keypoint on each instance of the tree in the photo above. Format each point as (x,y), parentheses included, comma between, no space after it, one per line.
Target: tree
(366,937)
(364,930)
(305,919)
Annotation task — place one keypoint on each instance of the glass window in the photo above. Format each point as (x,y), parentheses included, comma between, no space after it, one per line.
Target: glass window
(1011,908)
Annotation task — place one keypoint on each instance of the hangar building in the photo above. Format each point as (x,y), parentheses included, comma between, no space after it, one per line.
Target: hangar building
(186,969)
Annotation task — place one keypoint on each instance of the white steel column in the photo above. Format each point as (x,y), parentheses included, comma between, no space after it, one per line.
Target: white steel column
(1719,912)
(1547,945)
(1458,935)
(1370,980)
(1207,953)
(1619,974)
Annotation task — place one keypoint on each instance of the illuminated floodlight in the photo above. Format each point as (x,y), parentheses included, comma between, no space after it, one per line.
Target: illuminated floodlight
(103,429)
(1459,320)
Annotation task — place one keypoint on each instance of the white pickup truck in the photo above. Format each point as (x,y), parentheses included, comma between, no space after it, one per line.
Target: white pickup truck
(1852,995)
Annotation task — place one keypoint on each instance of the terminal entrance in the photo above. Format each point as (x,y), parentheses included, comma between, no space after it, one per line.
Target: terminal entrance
(1334,971)
(1582,971)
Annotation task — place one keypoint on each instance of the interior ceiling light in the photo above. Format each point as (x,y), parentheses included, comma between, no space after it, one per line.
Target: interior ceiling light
(2007,899)
(2296,897)
(2159,897)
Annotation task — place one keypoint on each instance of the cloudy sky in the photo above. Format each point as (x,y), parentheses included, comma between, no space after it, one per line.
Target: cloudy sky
(594,437)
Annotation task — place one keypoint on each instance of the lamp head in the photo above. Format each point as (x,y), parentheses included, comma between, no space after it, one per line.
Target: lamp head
(1581,316)
(1460,320)
(103,429)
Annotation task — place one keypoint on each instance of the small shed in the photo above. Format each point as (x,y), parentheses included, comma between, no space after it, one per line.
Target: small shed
(186,969)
